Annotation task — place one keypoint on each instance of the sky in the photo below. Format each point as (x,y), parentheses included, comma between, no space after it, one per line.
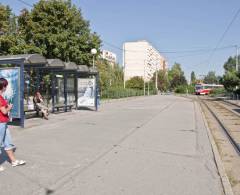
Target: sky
(185,31)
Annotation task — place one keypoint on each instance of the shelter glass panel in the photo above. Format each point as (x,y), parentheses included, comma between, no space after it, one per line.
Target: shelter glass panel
(70,91)
(60,91)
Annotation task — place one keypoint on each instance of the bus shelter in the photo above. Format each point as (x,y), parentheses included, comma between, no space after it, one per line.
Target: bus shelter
(15,69)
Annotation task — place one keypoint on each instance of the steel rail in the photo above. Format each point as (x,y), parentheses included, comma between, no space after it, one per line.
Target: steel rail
(225,129)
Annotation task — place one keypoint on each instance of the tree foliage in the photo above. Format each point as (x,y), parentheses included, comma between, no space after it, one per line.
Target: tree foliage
(162,80)
(230,64)
(7,20)
(176,76)
(135,83)
(193,77)
(59,30)
(53,28)
(8,30)
(231,78)
(211,78)
(111,76)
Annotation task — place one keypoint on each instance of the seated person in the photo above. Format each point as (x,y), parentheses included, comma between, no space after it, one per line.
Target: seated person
(39,103)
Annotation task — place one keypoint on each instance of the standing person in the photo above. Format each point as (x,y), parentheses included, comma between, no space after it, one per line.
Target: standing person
(38,101)
(5,137)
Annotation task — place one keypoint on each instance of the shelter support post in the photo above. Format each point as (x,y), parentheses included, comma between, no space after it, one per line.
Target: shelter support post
(65,90)
(53,80)
(76,90)
(22,117)
(96,91)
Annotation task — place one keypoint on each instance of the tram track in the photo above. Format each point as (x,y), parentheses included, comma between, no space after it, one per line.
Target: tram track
(223,123)
(228,120)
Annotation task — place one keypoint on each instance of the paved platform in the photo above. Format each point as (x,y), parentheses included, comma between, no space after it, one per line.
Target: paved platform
(235,102)
(148,145)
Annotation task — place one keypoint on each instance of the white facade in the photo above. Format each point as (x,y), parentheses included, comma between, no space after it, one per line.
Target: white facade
(109,56)
(140,58)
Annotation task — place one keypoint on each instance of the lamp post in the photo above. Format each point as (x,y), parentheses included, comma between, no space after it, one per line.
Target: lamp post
(156,81)
(144,88)
(148,88)
(93,52)
(236,57)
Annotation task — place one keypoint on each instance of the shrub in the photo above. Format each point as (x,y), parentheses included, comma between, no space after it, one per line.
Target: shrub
(115,93)
(218,92)
(181,89)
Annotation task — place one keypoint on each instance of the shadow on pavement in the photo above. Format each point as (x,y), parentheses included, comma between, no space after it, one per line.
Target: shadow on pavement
(237,110)
(3,157)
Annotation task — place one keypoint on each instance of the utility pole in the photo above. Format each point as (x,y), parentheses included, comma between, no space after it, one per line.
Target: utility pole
(148,87)
(156,78)
(144,89)
(236,57)
(124,67)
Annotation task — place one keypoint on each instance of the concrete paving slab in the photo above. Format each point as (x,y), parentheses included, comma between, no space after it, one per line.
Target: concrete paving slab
(148,145)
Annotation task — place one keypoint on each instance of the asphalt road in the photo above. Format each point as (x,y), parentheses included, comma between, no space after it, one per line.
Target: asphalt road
(148,145)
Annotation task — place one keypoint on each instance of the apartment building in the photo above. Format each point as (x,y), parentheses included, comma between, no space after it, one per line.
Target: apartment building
(140,58)
(109,56)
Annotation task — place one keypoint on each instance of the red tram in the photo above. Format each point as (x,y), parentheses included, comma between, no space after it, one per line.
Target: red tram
(205,89)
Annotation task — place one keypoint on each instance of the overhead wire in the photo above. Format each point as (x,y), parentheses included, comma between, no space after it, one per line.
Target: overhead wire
(169,52)
(212,50)
(223,35)
(26,3)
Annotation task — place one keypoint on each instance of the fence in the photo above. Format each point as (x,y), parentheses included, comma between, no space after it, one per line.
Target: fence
(122,93)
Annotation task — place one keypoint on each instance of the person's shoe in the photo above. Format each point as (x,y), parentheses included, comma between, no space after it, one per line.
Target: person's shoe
(2,168)
(18,163)
(45,117)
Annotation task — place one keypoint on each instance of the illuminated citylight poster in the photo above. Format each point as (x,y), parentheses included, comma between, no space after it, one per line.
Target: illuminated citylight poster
(12,93)
(86,92)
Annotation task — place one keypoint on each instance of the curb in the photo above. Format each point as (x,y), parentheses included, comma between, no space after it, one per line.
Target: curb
(227,188)
(230,102)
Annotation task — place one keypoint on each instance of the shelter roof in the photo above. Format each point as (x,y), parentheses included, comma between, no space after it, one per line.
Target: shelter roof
(83,68)
(70,66)
(29,59)
(55,63)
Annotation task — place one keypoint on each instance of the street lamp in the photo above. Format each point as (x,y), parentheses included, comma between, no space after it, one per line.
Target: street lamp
(236,46)
(93,52)
(156,81)
(144,87)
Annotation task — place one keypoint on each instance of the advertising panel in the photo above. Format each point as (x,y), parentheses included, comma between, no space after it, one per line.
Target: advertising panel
(12,93)
(86,91)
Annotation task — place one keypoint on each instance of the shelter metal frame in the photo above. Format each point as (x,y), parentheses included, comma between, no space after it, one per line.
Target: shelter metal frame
(17,61)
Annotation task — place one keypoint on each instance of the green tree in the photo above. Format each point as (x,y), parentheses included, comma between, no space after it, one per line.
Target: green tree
(193,77)
(230,80)
(110,75)
(58,28)
(211,78)
(117,76)
(230,64)
(135,83)
(104,73)
(8,30)
(162,80)
(176,76)
(5,17)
